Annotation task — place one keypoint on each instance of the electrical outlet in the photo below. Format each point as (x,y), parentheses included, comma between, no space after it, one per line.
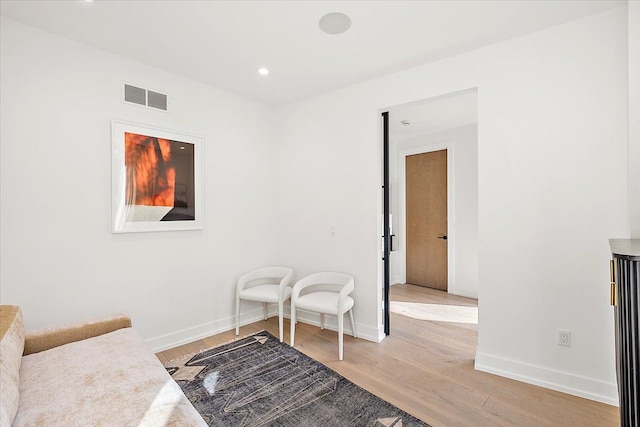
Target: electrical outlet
(564,338)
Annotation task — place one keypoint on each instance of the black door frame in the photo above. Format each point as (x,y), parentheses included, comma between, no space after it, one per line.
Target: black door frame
(385,215)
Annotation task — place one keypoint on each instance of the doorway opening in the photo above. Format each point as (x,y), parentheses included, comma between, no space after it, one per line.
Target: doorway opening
(433,203)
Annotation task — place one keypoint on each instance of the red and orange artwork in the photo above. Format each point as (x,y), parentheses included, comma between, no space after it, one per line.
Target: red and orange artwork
(151,176)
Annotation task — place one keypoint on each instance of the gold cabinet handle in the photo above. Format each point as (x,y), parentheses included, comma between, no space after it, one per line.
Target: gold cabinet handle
(612,270)
(613,291)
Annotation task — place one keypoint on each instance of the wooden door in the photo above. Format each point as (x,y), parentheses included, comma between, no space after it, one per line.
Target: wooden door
(426,198)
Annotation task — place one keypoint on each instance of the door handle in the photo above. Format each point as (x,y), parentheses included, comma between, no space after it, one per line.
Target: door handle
(442,237)
(613,293)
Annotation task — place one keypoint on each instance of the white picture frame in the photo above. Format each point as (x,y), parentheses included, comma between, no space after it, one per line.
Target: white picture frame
(156,179)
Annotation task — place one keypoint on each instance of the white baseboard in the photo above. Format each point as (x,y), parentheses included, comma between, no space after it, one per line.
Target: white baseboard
(565,382)
(185,336)
(463,292)
(365,332)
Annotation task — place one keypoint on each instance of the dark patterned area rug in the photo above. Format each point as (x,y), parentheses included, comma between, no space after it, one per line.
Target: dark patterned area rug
(258,381)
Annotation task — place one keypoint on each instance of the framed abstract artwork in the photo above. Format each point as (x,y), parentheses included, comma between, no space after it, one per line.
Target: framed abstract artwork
(156,181)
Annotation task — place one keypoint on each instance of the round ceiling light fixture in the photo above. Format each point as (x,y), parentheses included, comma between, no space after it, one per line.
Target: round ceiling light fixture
(263,71)
(334,23)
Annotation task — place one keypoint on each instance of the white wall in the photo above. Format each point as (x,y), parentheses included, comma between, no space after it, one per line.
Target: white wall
(552,188)
(463,218)
(60,262)
(634,117)
(328,176)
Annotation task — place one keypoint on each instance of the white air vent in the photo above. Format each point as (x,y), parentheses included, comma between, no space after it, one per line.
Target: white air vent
(148,98)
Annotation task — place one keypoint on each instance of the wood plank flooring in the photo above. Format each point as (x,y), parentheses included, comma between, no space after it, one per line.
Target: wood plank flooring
(426,368)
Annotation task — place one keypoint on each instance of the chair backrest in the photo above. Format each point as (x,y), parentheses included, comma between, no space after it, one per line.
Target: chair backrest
(267,275)
(326,281)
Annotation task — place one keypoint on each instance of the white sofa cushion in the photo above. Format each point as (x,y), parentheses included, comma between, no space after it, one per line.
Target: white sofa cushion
(109,380)
(11,348)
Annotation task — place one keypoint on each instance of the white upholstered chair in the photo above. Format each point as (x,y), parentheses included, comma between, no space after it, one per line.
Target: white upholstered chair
(265,285)
(324,293)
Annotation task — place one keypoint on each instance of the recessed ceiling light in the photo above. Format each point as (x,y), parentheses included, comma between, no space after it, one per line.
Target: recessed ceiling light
(263,71)
(335,23)
(406,122)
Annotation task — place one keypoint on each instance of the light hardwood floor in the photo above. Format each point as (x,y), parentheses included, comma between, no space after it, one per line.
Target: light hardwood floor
(426,368)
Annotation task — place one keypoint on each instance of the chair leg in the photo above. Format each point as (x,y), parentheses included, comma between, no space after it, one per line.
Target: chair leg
(293,323)
(353,324)
(237,316)
(280,308)
(340,330)
(321,321)
(264,306)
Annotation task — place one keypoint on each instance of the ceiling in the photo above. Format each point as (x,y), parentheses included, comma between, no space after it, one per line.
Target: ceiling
(433,115)
(223,43)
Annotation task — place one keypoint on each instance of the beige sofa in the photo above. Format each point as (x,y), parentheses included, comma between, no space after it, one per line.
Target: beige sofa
(96,373)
